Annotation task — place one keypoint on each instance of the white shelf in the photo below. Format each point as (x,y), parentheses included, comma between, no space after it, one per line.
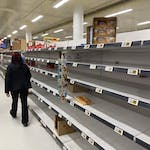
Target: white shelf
(114,114)
(88,125)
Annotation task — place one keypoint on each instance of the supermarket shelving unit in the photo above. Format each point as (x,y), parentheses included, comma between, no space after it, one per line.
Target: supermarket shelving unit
(117,78)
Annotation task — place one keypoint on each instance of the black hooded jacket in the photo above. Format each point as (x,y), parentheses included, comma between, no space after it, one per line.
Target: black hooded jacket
(17,77)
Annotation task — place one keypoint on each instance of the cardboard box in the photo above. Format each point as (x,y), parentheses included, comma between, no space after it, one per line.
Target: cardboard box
(83,100)
(76,88)
(19,44)
(62,127)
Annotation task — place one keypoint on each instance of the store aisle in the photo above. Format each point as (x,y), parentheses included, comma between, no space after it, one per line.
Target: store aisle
(13,136)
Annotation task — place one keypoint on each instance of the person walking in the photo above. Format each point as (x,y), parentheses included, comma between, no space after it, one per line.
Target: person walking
(17,83)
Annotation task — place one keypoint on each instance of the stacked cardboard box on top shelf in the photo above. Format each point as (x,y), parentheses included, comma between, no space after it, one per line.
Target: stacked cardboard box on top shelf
(19,44)
(102,31)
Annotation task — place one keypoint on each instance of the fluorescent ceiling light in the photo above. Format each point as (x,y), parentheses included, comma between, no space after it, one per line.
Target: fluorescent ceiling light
(117,28)
(119,13)
(14,32)
(85,23)
(84,33)
(5,38)
(68,37)
(37,18)
(143,23)
(22,27)
(45,34)
(60,30)
(36,37)
(62,2)
(9,35)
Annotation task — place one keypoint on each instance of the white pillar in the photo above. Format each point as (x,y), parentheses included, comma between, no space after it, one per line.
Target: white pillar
(78,24)
(28,36)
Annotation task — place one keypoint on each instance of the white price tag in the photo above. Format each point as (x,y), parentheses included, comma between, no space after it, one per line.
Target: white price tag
(60,116)
(99,90)
(87,113)
(109,68)
(35,59)
(73,47)
(118,130)
(92,66)
(48,61)
(50,49)
(87,46)
(133,72)
(57,62)
(42,60)
(72,81)
(64,48)
(84,135)
(133,101)
(53,75)
(31,58)
(41,86)
(46,73)
(39,98)
(72,103)
(91,141)
(54,93)
(49,107)
(48,90)
(69,123)
(75,64)
(39,49)
(41,71)
(55,48)
(41,101)
(38,59)
(126,44)
(100,45)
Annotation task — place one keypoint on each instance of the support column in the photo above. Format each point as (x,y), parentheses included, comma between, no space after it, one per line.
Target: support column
(28,36)
(78,18)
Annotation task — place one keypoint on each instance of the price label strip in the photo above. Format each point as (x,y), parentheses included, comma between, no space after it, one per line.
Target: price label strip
(126,44)
(133,101)
(87,113)
(72,103)
(84,135)
(42,122)
(92,66)
(91,141)
(72,81)
(100,45)
(99,90)
(73,47)
(75,64)
(69,123)
(134,72)
(60,116)
(118,130)
(87,46)
(109,68)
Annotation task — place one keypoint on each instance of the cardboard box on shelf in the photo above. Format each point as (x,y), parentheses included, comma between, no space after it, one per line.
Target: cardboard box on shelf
(62,127)
(76,88)
(19,44)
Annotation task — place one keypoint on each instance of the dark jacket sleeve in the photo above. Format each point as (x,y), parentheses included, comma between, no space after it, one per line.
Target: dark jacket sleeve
(29,76)
(8,80)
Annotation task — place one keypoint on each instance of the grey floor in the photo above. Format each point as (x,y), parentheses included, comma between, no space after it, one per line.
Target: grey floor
(13,136)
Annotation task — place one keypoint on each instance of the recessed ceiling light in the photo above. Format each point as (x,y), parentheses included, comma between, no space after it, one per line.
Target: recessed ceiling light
(85,23)
(62,2)
(23,27)
(119,13)
(60,30)
(14,32)
(143,23)
(45,34)
(9,35)
(68,37)
(37,18)
(36,37)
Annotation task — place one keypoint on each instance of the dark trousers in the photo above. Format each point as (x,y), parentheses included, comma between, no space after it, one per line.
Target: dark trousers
(23,96)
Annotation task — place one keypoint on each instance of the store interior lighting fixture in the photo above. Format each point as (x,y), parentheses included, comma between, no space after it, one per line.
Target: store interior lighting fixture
(9,35)
(23,27)
(37,18)
(45,34)
(60,3)
(119,13)
(143,23)
(14,32)
(68,37)
(60,30)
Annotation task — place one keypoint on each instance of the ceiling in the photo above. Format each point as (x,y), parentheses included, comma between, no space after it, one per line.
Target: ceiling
(15,13)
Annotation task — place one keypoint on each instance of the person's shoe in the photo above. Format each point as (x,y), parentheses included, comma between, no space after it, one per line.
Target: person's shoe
(25,124)
(11,113)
